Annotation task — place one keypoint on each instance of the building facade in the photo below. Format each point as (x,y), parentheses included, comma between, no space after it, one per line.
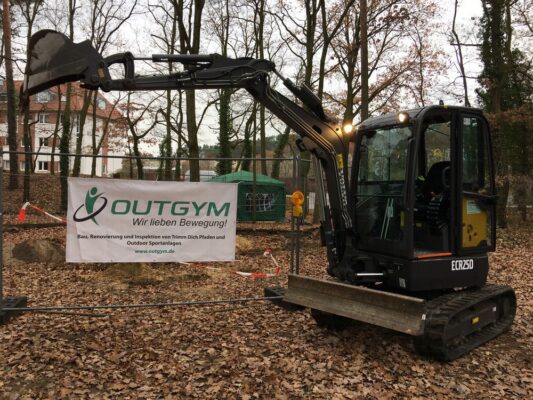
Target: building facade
(104,125)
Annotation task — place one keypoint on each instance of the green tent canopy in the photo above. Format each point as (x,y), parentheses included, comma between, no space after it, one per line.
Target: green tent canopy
(269,196)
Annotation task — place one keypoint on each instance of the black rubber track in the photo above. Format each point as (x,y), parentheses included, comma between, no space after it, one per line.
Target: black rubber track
(442,309)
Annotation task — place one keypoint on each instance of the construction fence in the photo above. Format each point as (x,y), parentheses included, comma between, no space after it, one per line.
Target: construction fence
(37,203)
(261,197)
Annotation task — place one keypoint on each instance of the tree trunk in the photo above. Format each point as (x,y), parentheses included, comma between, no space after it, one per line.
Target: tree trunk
(64,143)
(224,145)
(191,46)
(278,152)
(64,149)
(79,138)
(192,133)
(56,131)
(138,160)
(179,151)
(27,156)
(364,60)
(459,53)
(11,106)
(247,150)
(93,135)
(262,119)
(501,207)
(167,144)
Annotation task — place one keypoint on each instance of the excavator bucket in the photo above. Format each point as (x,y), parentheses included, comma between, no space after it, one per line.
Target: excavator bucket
(390,310)
(55,59)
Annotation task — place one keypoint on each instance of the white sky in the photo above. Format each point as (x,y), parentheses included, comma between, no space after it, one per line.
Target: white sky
(468,14)
(138,30)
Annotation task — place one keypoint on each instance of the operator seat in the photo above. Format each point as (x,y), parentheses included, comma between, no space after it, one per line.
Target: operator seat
(436,194)
(433,183)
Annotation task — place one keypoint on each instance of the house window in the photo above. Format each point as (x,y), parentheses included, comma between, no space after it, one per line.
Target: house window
(3,97)
(43,97)
(22,165)
(100,103)
(6,165)
(43,118)
(42,166)
(43,142)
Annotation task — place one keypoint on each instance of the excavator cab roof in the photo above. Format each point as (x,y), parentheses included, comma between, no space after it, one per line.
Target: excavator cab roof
(391,119)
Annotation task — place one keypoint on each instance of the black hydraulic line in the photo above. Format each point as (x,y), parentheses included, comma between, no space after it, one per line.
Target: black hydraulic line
(182,58)
(147,305)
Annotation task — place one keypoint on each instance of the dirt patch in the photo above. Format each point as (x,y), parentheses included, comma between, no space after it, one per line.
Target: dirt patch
(186,277)
(243,245)
(133,273)
(34,250)
(141,274)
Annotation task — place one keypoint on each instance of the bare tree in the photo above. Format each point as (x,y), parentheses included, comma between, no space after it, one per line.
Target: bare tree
(390,62)
(364,59)
(219,23)
(64,143)
(456,42)
(106,17)
(189,18)
(303,34)
(109,125)
(29,11)
(136,113)
(165,39)
(11,106)
(55,135)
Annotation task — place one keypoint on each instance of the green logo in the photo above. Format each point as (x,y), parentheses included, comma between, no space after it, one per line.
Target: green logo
(91,198)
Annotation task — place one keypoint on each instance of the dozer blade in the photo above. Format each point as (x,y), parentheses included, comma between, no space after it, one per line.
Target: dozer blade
(55,59)
(389,310)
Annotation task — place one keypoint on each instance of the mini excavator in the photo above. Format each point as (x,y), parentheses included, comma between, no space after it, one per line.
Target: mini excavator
(407,216)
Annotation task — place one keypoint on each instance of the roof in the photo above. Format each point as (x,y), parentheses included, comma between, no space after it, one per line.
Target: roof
(247,176)
(76,104)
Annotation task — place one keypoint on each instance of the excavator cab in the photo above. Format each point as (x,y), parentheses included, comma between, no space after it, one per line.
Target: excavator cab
(423,188)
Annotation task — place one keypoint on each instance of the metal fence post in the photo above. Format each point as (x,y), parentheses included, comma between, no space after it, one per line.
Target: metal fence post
(294,173)
(298,170)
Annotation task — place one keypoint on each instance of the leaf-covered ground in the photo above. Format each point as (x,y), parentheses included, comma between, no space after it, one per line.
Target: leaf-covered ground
(249,351)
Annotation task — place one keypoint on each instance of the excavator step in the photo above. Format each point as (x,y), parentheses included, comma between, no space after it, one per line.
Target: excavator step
(389,310)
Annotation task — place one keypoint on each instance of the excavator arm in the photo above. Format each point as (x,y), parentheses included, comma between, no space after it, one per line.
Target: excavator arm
(55,59)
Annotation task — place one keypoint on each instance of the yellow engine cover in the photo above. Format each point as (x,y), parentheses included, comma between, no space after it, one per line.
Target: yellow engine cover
(475,223)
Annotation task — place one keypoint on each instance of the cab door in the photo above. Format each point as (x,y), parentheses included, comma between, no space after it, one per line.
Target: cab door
(476,200)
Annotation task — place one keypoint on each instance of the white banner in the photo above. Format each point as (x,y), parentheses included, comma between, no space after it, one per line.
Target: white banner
(141,221)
